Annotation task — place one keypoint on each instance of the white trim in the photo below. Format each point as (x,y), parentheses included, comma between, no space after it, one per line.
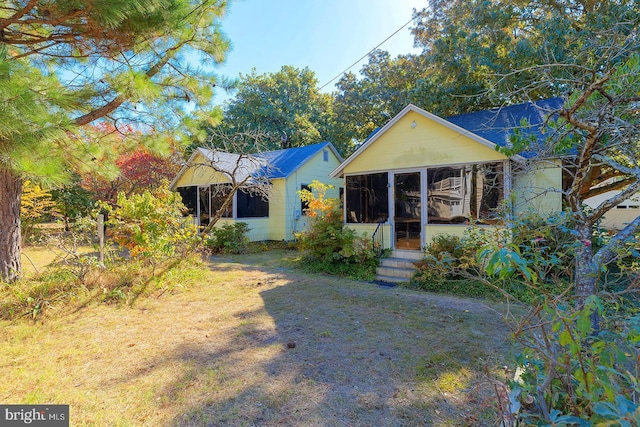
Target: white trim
(198,204)
(508,186)
(424,172)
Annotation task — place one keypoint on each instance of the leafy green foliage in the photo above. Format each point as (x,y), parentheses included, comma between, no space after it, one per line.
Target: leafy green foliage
(32,121)
(571,372)
(574,375)
(230,238)
(483,44)
(65,64)
(72,201)
(534,257)
(383,88)
(329,246)
(151,225)
(286,105)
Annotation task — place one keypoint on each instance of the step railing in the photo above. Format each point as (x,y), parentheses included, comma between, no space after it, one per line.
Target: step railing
(377,238)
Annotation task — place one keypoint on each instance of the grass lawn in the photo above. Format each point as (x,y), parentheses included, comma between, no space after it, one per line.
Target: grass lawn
(261,344)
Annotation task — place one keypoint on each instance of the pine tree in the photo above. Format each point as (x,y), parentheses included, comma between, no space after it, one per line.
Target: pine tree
(65,64)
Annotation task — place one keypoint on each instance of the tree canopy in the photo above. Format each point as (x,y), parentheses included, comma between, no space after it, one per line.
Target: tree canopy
(383,88)
(67,63)
(285,105)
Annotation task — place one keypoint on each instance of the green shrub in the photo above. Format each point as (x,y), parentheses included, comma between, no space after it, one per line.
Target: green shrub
(458,265)
(229,238)
(573,372)
(151,225)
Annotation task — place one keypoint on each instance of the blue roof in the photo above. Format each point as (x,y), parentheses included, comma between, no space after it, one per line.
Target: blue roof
(498,125)
(283,163)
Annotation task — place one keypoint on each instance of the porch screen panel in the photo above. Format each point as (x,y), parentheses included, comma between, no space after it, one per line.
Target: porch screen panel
(189,198)
(219,193)
(463,193)
(251,205)
(204,199)
(367,198)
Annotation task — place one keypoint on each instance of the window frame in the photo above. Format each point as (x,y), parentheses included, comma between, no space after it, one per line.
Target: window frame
(304,206)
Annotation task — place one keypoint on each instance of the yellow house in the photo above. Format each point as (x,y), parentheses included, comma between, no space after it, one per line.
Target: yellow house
(421,175)
(272,215)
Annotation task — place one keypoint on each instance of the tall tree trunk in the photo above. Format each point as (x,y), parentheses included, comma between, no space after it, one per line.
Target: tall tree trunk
(10,237)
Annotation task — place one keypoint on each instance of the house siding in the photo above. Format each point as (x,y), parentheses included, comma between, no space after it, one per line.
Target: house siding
(258,228)
(418,141)
(538,188)
(621,215)
(277,211)
(427,144)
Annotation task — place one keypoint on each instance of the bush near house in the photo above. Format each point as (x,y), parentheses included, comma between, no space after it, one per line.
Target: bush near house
(151,225)
(329,246)
(458,264)
(229,239)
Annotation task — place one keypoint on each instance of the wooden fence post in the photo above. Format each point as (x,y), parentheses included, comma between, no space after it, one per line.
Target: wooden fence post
(101,237)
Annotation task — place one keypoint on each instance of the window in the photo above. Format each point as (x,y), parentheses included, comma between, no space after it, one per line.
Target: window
(189,198)
(470,192)
(304,205)
(367,198)
(251,205)
(211,199)
(325,155)
(219,193)
(204,200)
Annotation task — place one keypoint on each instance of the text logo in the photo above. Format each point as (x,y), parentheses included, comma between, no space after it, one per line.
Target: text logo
(34,415)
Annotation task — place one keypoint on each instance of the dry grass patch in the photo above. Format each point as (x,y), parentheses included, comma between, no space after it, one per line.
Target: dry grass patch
(258,343)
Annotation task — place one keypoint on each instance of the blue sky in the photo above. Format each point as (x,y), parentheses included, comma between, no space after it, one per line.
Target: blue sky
(325,35)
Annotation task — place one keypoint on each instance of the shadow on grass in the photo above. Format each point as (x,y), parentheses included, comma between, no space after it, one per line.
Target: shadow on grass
(331,352)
